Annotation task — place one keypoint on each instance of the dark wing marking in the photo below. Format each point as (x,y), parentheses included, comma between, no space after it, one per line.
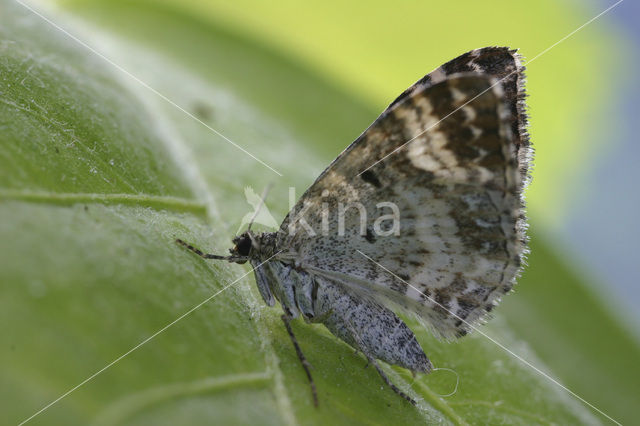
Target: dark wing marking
(505,65)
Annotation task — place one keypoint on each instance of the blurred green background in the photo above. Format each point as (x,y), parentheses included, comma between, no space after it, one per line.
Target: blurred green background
(98,175)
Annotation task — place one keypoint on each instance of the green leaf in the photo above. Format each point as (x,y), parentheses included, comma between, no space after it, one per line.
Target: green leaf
(99,175)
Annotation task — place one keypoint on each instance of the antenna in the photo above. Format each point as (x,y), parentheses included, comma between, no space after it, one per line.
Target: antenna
(208,255)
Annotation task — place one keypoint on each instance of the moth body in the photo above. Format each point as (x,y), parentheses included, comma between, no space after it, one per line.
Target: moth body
(362,323)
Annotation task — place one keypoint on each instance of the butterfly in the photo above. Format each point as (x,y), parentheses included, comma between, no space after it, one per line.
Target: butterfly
(441,173)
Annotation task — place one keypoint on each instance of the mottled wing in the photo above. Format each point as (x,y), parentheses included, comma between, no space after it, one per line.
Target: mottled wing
(501,63)
(457,186)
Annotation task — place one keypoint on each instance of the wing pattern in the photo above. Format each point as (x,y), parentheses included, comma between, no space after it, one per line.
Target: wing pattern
(458,188)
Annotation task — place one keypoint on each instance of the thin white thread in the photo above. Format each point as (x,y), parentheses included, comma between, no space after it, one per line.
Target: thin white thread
(142,83)
(493,85)
(455,389)
(574,31)
(141,343)
(474,328)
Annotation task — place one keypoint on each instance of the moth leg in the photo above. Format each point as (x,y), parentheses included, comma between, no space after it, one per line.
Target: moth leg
(388,381)
(372,360)
(305,364)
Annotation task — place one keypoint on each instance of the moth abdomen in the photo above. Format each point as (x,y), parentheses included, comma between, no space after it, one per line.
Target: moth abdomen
(369,327)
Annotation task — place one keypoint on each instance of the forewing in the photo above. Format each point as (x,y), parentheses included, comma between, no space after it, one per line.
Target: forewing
(458,188)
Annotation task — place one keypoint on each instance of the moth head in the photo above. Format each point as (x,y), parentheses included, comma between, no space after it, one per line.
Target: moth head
(242,246)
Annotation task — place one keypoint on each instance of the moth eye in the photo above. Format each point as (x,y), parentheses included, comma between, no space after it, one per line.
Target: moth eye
(244,246)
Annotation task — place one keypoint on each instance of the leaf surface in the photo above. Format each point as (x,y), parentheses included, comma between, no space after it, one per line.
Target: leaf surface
(98,176)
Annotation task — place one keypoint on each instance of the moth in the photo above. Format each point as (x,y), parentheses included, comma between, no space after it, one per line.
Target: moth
(452,154)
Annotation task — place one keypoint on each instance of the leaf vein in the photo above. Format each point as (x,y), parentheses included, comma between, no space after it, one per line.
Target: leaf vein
(153,201)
